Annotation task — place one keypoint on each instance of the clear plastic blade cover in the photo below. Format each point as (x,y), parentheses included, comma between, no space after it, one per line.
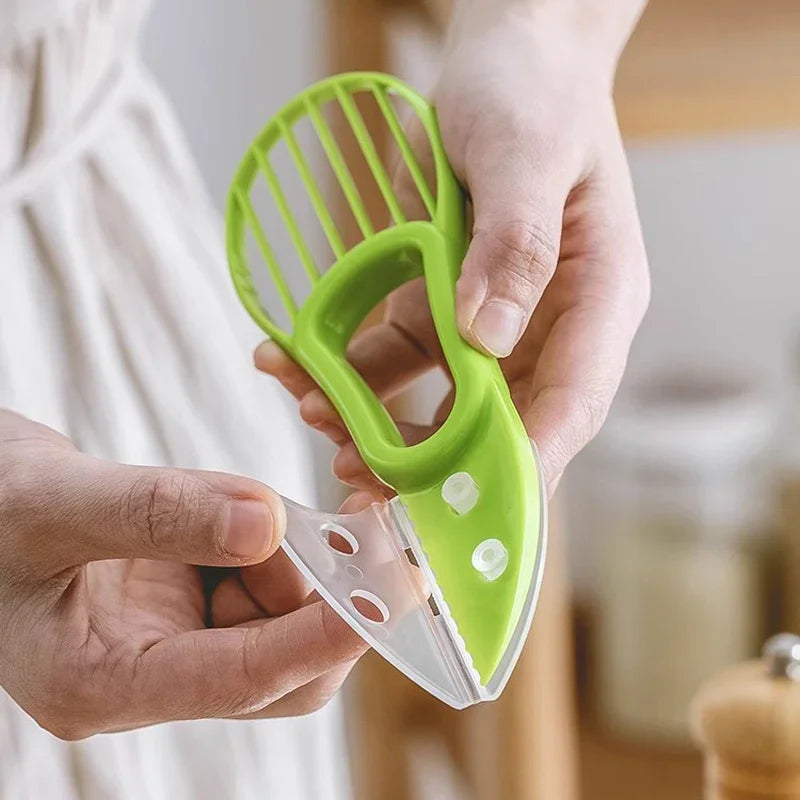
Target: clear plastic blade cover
(371,568)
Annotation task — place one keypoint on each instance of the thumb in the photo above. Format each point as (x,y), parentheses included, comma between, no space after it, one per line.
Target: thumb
(103,510)
(518,203)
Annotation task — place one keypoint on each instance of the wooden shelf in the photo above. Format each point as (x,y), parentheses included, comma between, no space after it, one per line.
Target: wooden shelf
(695,66)
(616,771)
(701,66)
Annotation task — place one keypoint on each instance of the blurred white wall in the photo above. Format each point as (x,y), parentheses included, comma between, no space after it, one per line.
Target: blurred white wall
(228,66)
(721,216)
(721,223)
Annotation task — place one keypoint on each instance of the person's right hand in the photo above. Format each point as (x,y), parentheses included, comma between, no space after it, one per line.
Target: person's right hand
(555,280)
(103,618)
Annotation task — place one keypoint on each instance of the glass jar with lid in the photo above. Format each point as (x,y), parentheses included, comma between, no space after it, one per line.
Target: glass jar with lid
(788,495)
(683,504)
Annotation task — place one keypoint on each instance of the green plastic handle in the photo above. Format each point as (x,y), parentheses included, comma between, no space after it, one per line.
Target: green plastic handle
(483,435)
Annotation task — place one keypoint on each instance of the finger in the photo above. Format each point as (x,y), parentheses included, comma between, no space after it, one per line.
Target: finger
(350,468)
(405,186)
(319,413)
(307,699)
(97,510)
(318,692)
(583,358)
(387,357)
(569,405)
(518,195)
(271,358)
(276,585)
(237,671)
(444,408)
(358,501)
(231,604)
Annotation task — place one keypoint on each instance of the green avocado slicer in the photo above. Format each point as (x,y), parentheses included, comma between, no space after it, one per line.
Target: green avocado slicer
(443,579)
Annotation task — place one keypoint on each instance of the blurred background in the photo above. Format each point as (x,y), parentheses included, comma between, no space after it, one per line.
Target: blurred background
(675,535)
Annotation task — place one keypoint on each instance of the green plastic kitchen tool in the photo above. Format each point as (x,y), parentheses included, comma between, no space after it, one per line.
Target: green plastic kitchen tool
(443,579)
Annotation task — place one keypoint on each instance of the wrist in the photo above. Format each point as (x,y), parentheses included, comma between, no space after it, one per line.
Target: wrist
(594,30)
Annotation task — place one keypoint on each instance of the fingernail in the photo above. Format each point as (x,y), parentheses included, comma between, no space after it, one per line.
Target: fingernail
(317,408)
(497,326)
(266,353)
(249,528)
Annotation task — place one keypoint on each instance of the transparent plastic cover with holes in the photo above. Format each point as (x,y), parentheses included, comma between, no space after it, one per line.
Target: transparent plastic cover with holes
(317,236)
(371,569)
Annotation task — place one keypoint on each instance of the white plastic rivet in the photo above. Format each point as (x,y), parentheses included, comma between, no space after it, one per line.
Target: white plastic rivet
(490,558)
(460,492)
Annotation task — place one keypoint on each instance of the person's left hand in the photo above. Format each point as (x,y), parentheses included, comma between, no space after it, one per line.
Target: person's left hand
(104,621)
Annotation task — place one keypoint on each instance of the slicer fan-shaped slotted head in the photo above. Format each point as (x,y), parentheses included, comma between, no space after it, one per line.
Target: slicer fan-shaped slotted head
(443,581)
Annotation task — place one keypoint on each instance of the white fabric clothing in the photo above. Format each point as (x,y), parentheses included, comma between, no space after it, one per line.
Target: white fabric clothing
(119,328)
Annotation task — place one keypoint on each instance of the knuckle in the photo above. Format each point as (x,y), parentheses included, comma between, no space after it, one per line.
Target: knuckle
(252,667)
(26,525)
(525,254)
(584,412)
(344,469)
(635,288)
(316,408)
(592,409)
(348,465)
(344,644)
(162,506)
(259,687)
(333,633)
(19,490)
(242,703)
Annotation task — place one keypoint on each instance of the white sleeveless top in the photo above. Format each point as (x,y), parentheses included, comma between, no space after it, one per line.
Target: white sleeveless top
(119,327)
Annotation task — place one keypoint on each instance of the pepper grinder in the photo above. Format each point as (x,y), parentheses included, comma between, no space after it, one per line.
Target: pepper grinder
(747,721)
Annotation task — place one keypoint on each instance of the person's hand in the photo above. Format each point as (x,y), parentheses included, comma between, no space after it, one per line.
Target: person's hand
(555,281)
(103,622)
